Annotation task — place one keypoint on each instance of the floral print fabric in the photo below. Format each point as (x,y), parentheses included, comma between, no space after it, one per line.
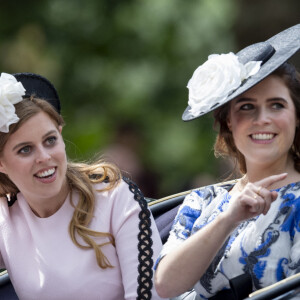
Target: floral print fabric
(267,246)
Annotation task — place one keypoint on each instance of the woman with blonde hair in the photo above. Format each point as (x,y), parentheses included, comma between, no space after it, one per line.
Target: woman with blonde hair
(68,230)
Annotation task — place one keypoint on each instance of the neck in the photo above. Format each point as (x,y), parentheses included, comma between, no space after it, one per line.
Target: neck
(258,172)
(46,207)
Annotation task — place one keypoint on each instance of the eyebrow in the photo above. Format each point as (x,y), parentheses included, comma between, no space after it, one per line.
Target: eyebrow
(245,99)
(26,143)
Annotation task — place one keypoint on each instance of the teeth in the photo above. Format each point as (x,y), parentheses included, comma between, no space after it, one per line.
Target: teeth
(263,136)
(46,173)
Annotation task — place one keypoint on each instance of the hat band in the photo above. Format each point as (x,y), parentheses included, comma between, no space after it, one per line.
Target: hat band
(257,52)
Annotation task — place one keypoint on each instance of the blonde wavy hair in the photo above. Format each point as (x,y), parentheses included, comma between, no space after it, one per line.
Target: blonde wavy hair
(80,177)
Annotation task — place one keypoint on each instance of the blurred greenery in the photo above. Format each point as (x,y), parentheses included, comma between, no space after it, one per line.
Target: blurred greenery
(121,69)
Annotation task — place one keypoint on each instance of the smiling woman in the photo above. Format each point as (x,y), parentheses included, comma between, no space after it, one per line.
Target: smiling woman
(246,231)
(34,159)
(263,124)
(79,230)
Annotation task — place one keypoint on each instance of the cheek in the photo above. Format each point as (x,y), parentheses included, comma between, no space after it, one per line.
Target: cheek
(60,149)
(240,130)
(60,154)
(19,172)
(236,119)
(287,122)
(237,124)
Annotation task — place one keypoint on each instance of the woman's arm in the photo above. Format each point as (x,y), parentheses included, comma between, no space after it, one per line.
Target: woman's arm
(127,223)
(179,270)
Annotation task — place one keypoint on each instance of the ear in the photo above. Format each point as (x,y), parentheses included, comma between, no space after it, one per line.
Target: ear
(60,128)
(2,168)
(228,123)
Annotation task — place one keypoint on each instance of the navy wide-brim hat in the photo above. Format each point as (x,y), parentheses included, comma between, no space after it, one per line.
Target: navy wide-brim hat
(39,87)
(272,53)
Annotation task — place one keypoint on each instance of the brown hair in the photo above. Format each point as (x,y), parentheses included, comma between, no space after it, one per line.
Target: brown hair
(225,146)
(80,177)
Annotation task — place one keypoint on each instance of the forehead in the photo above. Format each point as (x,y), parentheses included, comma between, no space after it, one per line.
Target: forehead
(271,86)
(33,128)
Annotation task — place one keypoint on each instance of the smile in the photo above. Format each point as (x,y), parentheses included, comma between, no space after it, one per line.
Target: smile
(46,173)
(263,136)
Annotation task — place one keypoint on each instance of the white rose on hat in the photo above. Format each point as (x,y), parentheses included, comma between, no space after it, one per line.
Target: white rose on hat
(11,92)
(213,81)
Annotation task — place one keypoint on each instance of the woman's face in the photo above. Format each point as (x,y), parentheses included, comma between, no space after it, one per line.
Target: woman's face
(34,158)
(263,122)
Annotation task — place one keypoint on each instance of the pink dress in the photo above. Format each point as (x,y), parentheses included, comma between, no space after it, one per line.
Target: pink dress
(44,263)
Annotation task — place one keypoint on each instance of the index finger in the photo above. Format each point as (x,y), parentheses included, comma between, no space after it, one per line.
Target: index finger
(268,181)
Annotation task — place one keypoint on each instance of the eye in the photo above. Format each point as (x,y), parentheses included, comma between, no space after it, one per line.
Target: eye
(25,150)
(246,106)
(51,140)
(277,105)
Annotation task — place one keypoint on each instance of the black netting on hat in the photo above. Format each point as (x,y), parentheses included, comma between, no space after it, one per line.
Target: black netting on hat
(39,87)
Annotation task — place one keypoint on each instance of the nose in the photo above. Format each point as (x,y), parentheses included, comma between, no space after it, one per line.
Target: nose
(262,117)
(42,155)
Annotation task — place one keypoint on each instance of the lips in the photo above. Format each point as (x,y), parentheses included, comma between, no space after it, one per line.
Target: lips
(262,136)
(46,173)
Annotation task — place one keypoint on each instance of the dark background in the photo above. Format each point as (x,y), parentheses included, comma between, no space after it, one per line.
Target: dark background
(121,69)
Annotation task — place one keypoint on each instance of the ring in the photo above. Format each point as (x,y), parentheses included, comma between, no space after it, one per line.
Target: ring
(258,192)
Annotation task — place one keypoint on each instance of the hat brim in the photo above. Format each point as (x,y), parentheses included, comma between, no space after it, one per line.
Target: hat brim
(39,87)
(285,44)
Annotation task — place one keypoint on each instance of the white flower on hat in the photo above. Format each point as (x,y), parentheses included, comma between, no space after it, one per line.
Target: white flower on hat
(11,92)
(213,81)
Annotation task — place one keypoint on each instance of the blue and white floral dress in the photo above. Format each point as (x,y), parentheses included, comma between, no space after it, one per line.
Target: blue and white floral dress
(267,247)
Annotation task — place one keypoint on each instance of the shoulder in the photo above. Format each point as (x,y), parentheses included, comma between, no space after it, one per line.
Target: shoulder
(134,189)
(291,188)
(290,199)
(126,191)
(3,201)
(124,184)
(10,210)
(208,193)
(3,208)
(290,194)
